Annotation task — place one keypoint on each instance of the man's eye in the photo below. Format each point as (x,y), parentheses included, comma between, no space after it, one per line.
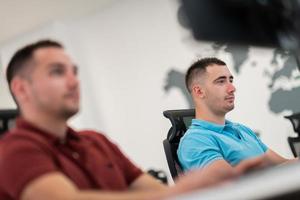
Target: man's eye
(57,71)
(75,71)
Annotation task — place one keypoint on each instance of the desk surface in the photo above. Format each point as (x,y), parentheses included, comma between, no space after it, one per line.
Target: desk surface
(266,184)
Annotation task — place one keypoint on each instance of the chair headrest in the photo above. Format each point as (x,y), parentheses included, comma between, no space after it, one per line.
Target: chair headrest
(180,120)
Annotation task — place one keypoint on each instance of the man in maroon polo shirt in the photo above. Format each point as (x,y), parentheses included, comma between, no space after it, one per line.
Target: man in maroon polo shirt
(44,159)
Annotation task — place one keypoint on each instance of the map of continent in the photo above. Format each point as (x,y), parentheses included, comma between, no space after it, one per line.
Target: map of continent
(280,100)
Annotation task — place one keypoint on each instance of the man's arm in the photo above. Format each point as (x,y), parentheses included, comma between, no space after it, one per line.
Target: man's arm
(57,186)
(275,158)
(213,174)
(267,159)
(242,167)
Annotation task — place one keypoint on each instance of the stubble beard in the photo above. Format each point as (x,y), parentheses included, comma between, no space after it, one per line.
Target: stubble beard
(230,108)
(66,113)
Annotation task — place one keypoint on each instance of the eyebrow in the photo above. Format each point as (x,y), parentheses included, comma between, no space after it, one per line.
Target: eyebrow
(223,77)
(59,64)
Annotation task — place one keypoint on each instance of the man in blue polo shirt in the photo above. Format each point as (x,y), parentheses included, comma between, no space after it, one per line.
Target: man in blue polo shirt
(211,139)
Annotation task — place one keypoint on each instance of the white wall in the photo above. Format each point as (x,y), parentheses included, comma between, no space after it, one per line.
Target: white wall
(125,53)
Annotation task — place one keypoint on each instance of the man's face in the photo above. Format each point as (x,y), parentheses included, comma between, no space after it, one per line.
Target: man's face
(218,89)
(53,86)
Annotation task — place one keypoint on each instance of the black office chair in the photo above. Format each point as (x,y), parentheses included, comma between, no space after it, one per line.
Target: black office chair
(7,118)
(294,142)
(180,120)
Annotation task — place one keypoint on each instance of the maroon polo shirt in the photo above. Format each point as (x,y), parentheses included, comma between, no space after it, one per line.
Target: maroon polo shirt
(88,158)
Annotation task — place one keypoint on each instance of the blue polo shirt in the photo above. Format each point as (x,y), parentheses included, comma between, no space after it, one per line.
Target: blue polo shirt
(205,142)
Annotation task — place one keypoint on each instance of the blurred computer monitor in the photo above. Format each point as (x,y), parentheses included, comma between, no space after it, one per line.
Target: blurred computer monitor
(273,23)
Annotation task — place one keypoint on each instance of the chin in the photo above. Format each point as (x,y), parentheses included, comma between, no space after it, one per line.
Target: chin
(230,108)
(68,113)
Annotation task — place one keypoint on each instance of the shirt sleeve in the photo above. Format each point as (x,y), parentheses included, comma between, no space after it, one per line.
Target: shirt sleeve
(261,144)
(20,163)
(197,151)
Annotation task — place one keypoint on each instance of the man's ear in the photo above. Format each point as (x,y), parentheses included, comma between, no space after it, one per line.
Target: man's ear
(19,89)
(198,91)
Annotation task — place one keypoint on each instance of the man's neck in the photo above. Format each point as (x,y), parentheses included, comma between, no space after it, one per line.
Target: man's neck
(48,123)
(210,117)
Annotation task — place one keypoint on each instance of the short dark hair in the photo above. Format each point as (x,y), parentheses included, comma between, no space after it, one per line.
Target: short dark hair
(23,55)
(198,68)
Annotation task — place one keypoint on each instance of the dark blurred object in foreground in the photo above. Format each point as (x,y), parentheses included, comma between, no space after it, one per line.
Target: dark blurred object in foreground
(7,118)
(252,22)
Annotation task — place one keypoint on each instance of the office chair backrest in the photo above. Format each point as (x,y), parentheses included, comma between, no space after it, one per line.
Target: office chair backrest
(7,118)
(294,142)
(295,120)
(180,120)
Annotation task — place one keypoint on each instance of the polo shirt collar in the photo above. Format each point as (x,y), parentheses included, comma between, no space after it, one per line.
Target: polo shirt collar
(210,125)
(22,123)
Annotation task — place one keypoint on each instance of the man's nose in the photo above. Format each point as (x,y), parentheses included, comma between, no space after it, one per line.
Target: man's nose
(231,88)
(72,79)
